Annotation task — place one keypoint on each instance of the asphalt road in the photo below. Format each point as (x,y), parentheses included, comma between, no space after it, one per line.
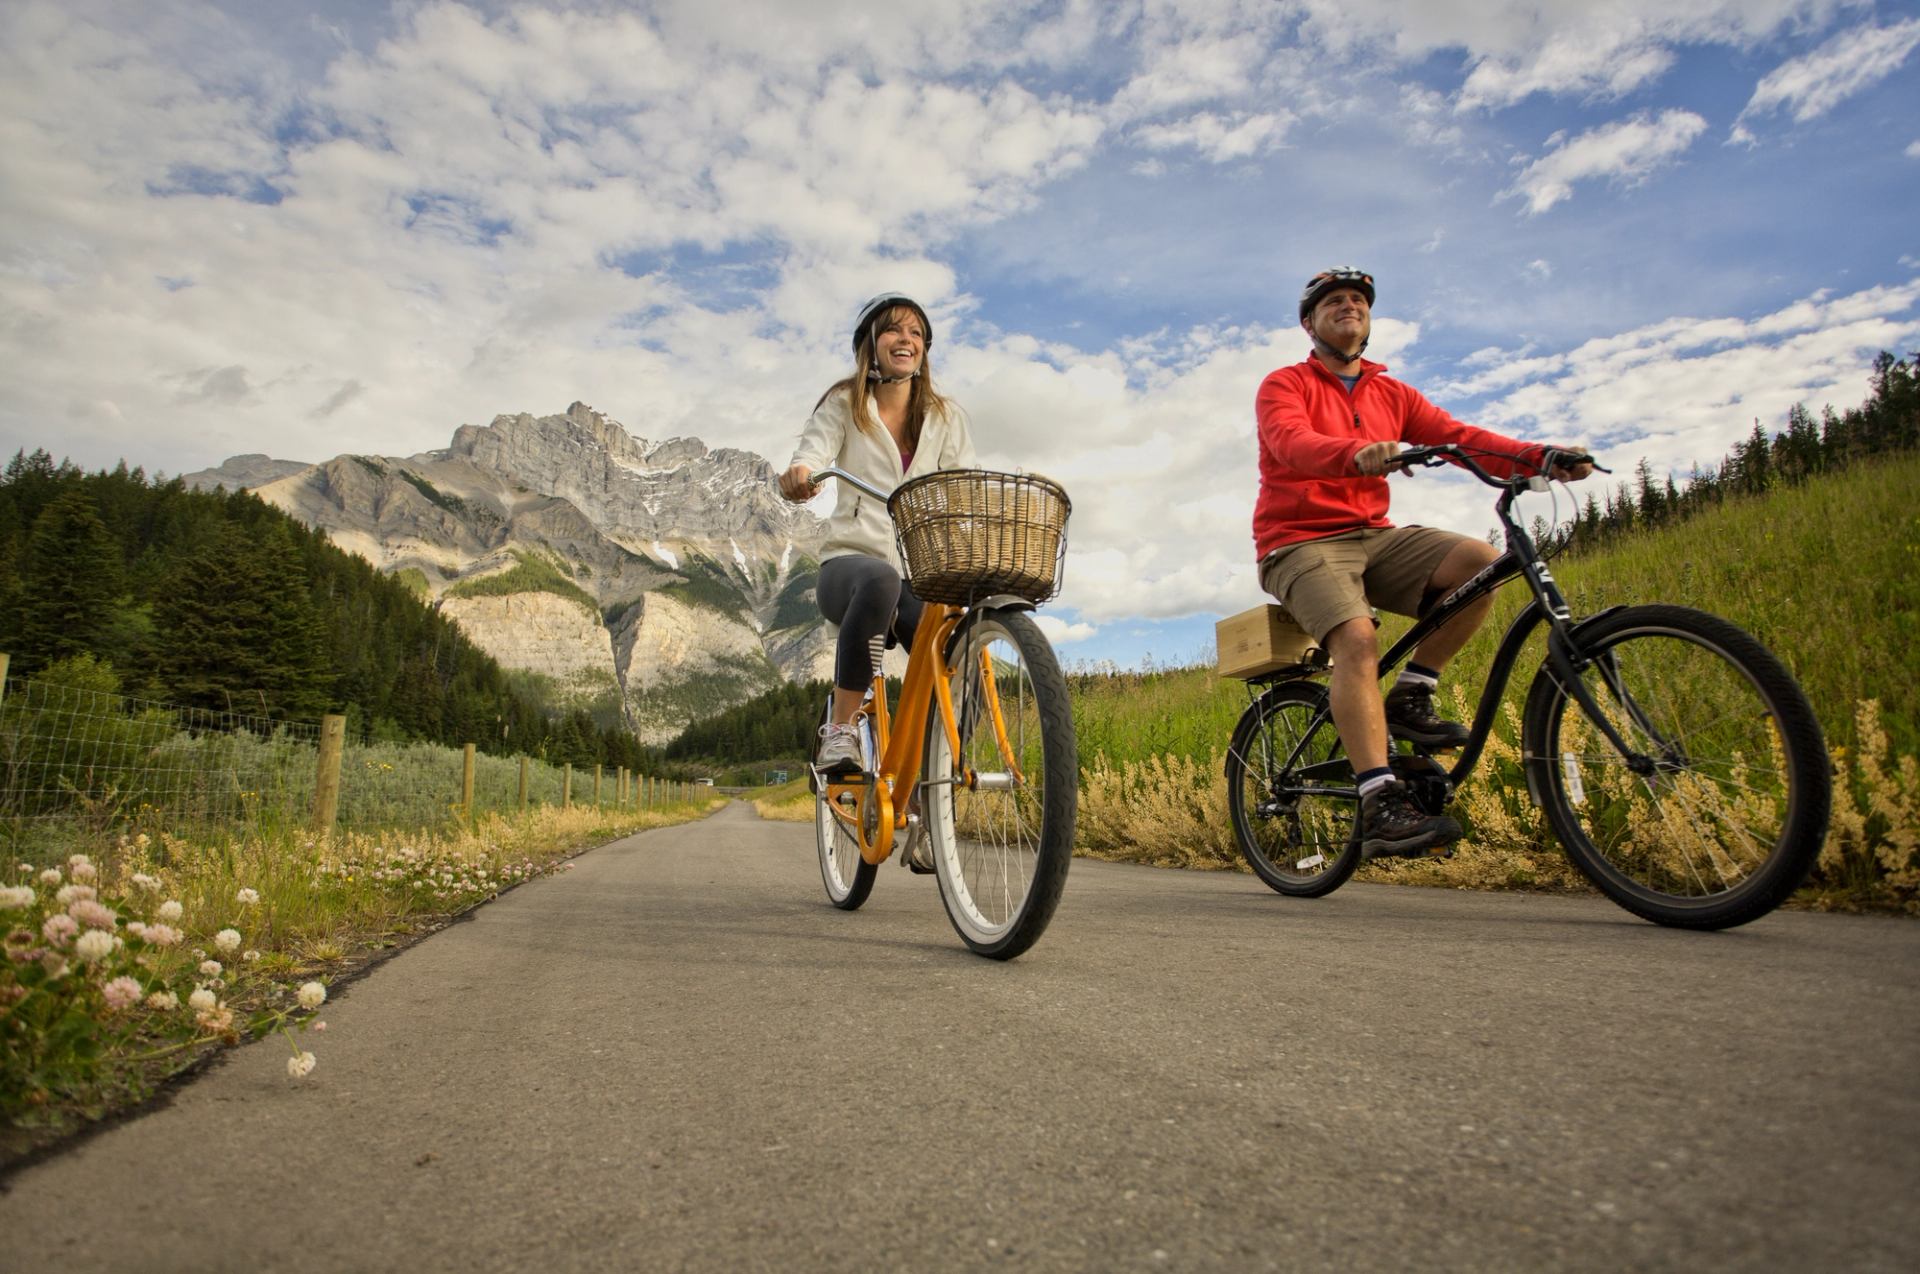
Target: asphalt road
(678,1057)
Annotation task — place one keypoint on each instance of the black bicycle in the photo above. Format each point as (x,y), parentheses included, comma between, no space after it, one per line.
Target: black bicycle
(1676,758)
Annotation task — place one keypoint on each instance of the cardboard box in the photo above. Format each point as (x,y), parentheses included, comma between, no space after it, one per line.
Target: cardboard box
(1260,640)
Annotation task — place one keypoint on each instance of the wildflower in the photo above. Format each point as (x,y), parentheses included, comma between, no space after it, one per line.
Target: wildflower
(51,876)
(143,881)
(170,911)
(250,954)
(121,993)
(301,1066)
(210,968)
(246,897)
(227,939)
(312,995)
(137,928)
(164,1001)
(55,965)
(74,893)
(59,929)
(218,1019)
(202,1000)
(83,870)
(94,944)
(92,914)
(318,1026)
(163,935)
(140,841)
(14,897)
(79,860)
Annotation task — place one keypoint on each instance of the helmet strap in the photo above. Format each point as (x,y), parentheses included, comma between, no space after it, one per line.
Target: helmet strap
(1338,356)
(873,374)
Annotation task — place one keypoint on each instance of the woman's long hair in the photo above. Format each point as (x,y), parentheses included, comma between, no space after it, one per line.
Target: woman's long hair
(922,399)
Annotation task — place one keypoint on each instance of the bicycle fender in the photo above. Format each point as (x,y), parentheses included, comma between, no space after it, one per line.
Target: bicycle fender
(999,601)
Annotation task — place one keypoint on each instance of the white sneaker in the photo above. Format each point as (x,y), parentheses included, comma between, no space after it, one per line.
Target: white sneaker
(918,854)
(839,750)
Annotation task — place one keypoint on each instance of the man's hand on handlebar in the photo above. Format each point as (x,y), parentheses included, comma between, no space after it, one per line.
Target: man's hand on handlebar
(1375,458)
(797,484)
(1570,465)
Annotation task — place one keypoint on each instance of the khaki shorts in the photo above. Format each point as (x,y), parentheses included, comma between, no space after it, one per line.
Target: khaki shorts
(1326,582)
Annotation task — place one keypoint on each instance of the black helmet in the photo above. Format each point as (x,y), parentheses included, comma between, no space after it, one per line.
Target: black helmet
(880,305)
(1340,276)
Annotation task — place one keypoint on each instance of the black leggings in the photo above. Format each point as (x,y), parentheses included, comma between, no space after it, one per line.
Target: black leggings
(866,597)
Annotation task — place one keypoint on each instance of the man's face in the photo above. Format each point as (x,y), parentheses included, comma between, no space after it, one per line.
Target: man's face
(1342,318)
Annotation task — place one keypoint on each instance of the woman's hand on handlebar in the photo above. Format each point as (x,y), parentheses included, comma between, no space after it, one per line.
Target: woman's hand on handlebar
(797,484)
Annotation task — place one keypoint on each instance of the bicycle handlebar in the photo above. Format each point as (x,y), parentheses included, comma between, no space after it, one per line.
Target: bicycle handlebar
(835,471)
(1429,457)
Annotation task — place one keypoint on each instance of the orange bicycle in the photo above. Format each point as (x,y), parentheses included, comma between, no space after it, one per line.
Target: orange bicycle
(983,733)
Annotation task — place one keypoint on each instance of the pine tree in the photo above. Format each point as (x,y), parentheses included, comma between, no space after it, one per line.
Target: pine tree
(69,582)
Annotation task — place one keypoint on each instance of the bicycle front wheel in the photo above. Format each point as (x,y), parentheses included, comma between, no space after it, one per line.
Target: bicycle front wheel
(1720,807)
(1000,814)
(1291,794)
(847,876)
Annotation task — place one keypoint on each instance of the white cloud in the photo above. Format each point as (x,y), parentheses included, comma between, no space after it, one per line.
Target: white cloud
(1913,150)
(1627,151)
(1062,633)
(1810,86)
(1219,139)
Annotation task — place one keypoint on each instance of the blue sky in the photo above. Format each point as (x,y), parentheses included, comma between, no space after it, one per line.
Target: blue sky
(314,229)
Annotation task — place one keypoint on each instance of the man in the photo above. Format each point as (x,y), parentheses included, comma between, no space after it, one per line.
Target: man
(1329,429)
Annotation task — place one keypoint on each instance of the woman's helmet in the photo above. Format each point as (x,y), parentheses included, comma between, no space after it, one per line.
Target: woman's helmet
(880,305)
(1340,276)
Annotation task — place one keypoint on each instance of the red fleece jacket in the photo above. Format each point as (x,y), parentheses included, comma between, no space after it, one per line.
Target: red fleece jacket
(1310,429)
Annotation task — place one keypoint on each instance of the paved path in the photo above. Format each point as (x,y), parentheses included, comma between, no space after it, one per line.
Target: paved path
(678,1057)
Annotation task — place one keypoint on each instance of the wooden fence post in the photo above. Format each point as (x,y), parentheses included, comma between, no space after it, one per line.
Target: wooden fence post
(566,786)
(596,785)
(620,787)
(326,778)
(5,658)
(523,782)
(466,783)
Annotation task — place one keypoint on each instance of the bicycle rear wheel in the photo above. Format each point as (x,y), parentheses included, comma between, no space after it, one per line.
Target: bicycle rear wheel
(1722,809)
(1000,815)
(1291,794)
(847,876)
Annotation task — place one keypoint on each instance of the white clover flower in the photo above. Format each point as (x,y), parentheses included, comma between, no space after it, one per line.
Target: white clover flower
(202,1000)
(162,935)
(83,870)
(51,876)
(121,993)
(15,897)
(246,897)
(165,1001)
(144,881)
(94,944)
(170,911)
(137,928)
(300,1067)
(227,939)
(250,954)
(75,893)
(312,995)
(210,968)
(79,860)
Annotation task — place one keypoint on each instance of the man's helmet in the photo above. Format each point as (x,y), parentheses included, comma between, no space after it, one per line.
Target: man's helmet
(882,304)
(1340,276)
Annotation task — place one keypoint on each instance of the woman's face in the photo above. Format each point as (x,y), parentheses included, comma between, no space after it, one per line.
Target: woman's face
(899,342)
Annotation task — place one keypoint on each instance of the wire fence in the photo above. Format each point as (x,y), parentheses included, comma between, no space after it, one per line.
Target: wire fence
(73,756)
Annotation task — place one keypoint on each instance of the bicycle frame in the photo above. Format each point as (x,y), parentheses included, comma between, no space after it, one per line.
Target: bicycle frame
(1565,658)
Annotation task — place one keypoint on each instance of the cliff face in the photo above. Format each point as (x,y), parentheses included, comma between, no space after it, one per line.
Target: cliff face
(664,580)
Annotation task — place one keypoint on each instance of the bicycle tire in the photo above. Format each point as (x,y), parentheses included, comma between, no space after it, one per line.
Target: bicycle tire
(847,876)
(1300,844)
(1734,811)
(1001,852)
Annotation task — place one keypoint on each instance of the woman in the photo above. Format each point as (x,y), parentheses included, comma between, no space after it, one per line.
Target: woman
(885,424)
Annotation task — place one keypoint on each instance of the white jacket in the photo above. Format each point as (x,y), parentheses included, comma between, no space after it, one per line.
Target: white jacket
(860,523)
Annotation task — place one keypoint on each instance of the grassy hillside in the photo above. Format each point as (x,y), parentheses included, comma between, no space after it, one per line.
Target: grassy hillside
(1827,574)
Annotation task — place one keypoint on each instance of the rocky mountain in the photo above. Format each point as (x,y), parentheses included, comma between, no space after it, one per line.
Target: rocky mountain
(656,582)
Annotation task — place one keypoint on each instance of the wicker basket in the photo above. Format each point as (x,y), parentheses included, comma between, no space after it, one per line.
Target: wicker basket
(970,533)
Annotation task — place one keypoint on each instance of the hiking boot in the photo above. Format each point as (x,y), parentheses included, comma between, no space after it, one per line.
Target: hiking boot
(1410,716)
(1392,826)
(839,750)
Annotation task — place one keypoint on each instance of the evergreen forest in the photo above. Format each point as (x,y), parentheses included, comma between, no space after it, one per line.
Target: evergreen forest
(217,600)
